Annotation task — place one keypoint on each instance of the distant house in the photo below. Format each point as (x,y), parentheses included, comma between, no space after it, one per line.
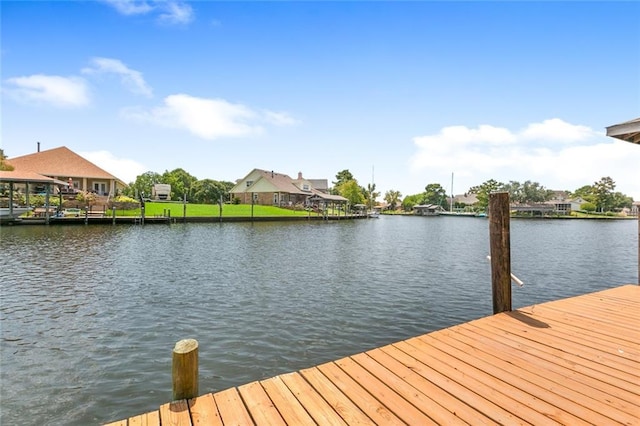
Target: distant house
(559,202)
(466,199)
(67,166)
(577,202)
(271,188)
(427,210)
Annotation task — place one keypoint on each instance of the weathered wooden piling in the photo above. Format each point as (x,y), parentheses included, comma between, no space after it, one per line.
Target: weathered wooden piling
(499,240)
(185,369)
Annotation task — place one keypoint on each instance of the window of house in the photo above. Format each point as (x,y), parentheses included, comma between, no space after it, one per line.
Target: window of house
(100,188)
(305,187)
(249,183)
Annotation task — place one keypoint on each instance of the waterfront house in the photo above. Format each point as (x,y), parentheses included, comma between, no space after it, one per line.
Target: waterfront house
(560,203)
(65,165)
(427,210)
(271,188)
(576,203)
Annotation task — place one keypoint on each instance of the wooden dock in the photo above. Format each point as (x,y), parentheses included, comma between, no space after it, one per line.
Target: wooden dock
(573,361)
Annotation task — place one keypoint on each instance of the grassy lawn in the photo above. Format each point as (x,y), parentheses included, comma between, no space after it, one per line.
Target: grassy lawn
(228,210)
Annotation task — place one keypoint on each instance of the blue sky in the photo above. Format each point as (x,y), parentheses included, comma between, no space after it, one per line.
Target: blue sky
(405,93)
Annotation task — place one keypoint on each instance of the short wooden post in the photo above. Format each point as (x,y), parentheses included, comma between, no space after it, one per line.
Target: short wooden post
(185,369)
(184,209)
(499,240)
(113,214)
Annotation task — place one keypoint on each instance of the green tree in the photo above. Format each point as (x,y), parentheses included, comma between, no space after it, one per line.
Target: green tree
(533,192)
(208,191)
(585,192)
(603,191)
(370,195)
(3,164)
(515,190)
(482,191)
(392,198)
(621,201)
(351,191)
(143,185)
(588,207)
(411,200)
(434,193)
(342,177)
(181,183)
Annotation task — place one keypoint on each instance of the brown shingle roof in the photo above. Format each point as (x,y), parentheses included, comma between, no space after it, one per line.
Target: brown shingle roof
(22,177)
(59,162)
(281,181)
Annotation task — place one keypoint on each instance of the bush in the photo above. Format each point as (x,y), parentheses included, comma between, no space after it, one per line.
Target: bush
(124,199)
(86,197)
(588,207)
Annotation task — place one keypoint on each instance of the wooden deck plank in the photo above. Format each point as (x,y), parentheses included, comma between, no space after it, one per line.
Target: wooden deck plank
(147,419)
(592,338)
(563,319)
(588,349)
(572,361)
(483,392)
(573,328)
(607,306)
(231,408)
(349,411)
(175,413)
(204,411)
(288,406)
(383,393)
(359,395)
(408,392)
(592,393)
(313,402)
(407,372)
(259,405)
(527,377)
(586,315)
(526,342)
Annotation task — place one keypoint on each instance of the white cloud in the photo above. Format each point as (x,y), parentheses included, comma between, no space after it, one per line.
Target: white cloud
(130,7)
(556,154)
(132,79)
(169,12)
(176,13)
(123,168)
(207,118)
(558,131)
(49,89)
(279,118)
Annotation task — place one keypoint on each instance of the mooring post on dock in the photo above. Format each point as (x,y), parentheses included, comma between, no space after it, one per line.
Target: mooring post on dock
(185,369)
(499,239)
(113,215)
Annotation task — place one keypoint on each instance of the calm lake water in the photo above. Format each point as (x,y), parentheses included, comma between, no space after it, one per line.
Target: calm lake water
(90,314)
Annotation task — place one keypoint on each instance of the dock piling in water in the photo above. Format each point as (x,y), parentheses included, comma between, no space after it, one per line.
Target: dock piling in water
(499,240)
(185,369)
